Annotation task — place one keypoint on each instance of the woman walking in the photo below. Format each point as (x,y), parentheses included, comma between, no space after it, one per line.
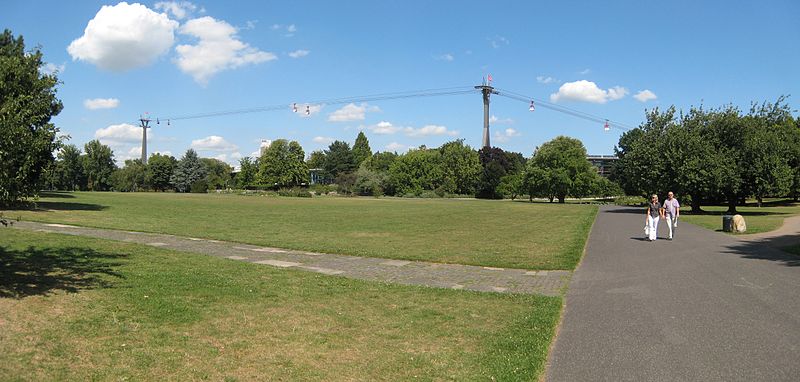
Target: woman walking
(654,212)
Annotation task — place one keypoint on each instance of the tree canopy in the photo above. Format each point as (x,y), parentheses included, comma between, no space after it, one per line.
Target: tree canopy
(27,104)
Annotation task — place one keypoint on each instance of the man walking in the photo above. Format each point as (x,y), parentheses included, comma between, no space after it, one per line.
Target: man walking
(672,209)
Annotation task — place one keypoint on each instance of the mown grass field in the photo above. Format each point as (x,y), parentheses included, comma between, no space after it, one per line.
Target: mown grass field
(759,219)
(474,232)
(75,308)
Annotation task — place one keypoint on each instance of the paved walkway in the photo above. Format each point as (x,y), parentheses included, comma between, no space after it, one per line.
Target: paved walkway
(454,276)
(704,307)
(787,235)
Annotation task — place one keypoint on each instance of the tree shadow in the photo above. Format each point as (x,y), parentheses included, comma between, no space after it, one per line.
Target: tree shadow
(626,210)
(743,213)
(768,249)
(41,271)
(58,206)
(57,194)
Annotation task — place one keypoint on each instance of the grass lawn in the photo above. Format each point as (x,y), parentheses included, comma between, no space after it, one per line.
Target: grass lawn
(75,308)
(764,219)
(474,232)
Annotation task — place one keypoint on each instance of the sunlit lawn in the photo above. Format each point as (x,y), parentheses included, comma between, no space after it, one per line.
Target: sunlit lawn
(476,232)
(74,308)
(763,219)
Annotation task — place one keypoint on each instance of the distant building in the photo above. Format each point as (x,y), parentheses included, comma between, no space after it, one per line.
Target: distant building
(317,176)
(603,163)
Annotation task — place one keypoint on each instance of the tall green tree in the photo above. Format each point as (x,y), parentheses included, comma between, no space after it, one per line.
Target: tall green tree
(283,164)
(27,103)
(461,168)
(567,170)
(189,170)
(69,168)
(417,171)
(361,149)
(218,173)
(339,159)
(381,161)
(248,169)
(159,171)
(131,177)
(766,150)
(98,165)
(495,166)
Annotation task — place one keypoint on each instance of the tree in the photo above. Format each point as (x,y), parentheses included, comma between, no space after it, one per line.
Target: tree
(69,168)
(283,164)
(27,103)
(369,182)
(461,168)
(495,166)
(416,171)
(98,165)
(188,171)
(361,149)
(130,178)
(512,185)
(766,149)
(381,161)
(159,171)
(247,172)
(339,159)
(564,162)
(218,173)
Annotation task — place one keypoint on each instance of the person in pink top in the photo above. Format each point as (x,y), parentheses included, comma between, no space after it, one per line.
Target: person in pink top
(672,209)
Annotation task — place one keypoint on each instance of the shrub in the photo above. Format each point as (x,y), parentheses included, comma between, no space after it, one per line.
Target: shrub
(295,192)
(199,187)
(637,201)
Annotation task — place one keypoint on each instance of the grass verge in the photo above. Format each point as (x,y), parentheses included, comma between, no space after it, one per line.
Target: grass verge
(763,219)
(474,232)
(75,308)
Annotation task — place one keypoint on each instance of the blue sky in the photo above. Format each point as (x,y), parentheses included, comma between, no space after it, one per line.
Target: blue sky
(609,59)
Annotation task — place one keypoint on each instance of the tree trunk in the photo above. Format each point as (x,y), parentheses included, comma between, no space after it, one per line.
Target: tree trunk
(696,205)
(551,199)
(759,199)
(732,205)
(561,199)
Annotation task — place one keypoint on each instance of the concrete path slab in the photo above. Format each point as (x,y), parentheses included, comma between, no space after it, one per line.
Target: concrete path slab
(455,276)
(704,307)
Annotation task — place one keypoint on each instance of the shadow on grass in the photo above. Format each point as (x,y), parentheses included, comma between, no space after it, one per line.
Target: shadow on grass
(57,194)
(743,213)
(40,271)
(57,206)
(767,249)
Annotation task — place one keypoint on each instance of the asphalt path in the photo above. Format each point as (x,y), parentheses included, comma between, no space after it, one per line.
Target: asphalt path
(703,307)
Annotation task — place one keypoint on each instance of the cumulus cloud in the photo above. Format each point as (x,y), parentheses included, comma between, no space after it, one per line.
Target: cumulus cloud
(498,41)
(213,143)
(299,53)
(115,135)
(229,158)
(545,80)
(218,48)
(585,71)
(323,140)
(587,91)
(394,147)
(387,128)
(445,57)
(123,37)
(51,68)
(100,103)
(178,9)
(352,112)
(505,135)
(500,121)
(645,95)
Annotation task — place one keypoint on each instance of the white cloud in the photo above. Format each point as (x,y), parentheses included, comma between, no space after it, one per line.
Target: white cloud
(291,28)
(115,135)
(299,53)
(545,80)
(429,130)
(229,158)
(123,37)
(178,9)
(250,24)
(505,135)
(51,68)
(387,128)
(498,41)
(587,91)
(500,121)
(352,112)
(585,71)
(645,95)
(218,49)
(213,143)
(445,57)
(394,146)
(100,103)
(323,140)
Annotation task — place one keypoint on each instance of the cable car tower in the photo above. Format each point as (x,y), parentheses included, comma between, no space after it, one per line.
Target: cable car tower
(145,124)
(487,90)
